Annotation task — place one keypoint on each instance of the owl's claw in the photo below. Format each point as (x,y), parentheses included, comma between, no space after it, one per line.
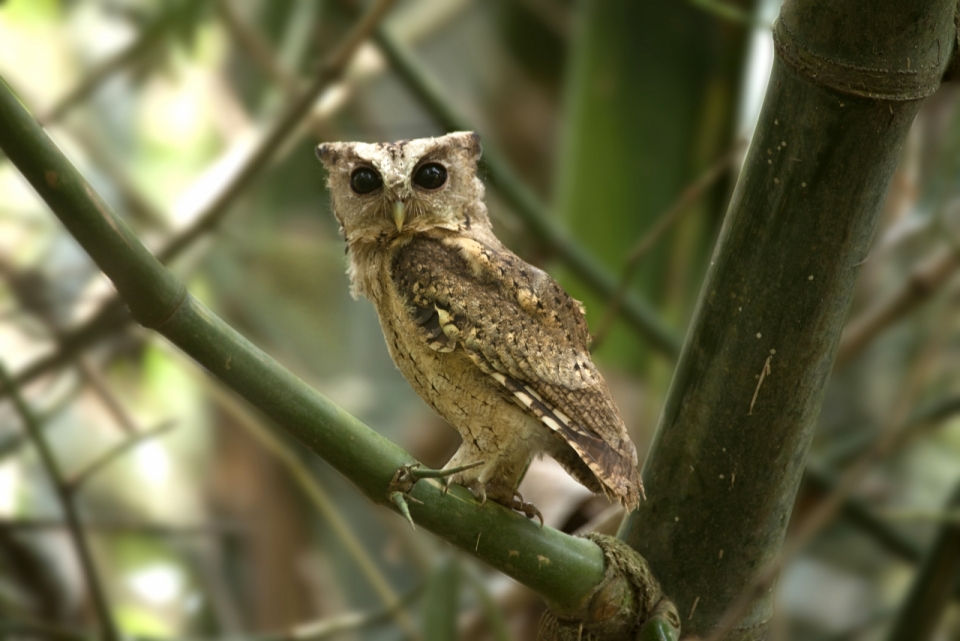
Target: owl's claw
(406,476)
(479,492)
(529,510)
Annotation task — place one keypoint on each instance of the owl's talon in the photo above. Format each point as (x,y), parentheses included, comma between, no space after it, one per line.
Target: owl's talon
(529,510)
(479,492)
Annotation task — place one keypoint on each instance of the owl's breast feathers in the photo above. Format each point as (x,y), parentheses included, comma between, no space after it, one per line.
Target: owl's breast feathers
(518,326)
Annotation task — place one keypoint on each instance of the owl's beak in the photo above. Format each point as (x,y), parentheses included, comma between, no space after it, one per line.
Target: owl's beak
(399,214)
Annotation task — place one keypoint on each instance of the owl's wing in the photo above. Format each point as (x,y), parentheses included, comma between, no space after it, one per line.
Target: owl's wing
(521,328)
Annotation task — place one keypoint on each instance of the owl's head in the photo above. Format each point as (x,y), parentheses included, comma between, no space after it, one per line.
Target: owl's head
(382,190)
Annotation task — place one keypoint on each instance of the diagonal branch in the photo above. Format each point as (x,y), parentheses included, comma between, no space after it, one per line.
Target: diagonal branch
(77,480)
(924,281)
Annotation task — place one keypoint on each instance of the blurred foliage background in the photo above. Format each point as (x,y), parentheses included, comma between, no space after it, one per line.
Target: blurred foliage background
(622,124)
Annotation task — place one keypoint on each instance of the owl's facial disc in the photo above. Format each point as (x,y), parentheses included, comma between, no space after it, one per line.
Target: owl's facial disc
(382,190)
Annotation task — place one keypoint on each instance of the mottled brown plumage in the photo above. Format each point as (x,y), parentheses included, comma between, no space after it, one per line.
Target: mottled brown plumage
(492,343)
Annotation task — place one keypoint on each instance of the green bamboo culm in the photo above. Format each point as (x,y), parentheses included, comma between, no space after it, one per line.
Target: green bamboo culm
(729,452)
(563,569)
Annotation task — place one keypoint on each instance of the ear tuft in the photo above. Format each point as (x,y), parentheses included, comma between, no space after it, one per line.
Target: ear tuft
(470,141)
(477,147)
(327,154)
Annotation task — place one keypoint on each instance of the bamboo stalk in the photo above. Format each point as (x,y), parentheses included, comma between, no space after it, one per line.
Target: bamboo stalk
(726,461)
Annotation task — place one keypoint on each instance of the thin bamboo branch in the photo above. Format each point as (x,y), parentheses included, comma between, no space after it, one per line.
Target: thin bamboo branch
(307,631)
(441,603)
(349,622)
(553,16)
(928,413)
(256,47)
(860,515)
(112,317)
(111,455)
(330,70)
(923,282)
(121,527)
(113,405)
(525,203)
(491,608)
(136,203)
(35,432)
(950,517)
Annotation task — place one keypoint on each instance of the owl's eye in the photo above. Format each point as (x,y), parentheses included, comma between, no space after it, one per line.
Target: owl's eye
(364,180)
(431,176)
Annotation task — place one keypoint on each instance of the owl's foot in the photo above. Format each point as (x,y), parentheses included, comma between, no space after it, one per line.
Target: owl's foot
(406,476)
(528,509)
(516,502)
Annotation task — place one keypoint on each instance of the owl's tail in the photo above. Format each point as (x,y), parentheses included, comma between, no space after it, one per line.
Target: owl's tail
(601,468)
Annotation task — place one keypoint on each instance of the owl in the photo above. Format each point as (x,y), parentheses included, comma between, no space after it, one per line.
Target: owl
(491,343)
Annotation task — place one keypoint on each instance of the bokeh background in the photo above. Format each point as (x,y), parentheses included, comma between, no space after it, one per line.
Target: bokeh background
(621,123)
